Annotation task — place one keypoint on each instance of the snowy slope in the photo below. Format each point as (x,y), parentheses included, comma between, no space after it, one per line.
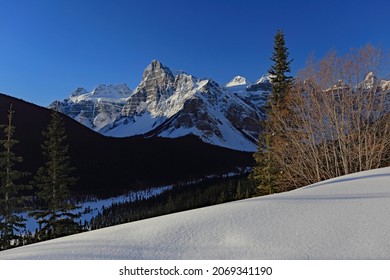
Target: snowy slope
(342,218)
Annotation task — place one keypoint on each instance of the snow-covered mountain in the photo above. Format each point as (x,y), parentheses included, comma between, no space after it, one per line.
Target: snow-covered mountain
(238,81)
(341,218)
(97,108)
(372,82)
(169,105)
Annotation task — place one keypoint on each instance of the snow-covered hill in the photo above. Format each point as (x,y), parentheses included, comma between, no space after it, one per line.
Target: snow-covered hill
(173,105)
(342,218)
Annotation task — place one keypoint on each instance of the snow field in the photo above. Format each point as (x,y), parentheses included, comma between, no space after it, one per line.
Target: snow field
(342,218)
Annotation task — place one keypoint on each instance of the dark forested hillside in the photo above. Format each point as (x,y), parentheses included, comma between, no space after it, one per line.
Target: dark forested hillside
(108,166)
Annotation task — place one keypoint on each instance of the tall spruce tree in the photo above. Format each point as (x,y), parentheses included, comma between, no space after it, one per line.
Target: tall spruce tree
(55,216)
(11,198)
(280,81)
(266,173)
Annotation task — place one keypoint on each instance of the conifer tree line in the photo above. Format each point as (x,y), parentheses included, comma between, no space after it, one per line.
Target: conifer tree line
(332,119)
(51,180)
(180,198)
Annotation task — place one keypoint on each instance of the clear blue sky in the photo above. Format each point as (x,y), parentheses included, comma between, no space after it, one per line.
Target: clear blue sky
(48,48)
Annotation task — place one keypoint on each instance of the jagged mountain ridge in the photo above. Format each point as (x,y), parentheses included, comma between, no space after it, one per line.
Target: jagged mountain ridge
(169,105)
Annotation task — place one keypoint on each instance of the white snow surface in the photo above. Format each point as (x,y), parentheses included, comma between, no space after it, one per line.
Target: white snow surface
(342,218)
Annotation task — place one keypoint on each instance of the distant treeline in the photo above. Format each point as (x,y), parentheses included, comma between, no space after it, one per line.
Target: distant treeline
(179,198)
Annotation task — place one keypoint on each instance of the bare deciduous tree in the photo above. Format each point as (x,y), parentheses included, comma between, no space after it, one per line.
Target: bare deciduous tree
(338,119)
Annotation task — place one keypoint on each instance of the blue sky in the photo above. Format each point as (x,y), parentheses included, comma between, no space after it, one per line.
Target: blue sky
(49,48)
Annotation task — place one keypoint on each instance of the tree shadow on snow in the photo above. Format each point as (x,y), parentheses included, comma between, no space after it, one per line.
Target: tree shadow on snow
(341,180)
(330,197)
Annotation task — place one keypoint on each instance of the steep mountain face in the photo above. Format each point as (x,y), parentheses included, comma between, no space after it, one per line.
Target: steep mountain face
(157,86)
(169,105)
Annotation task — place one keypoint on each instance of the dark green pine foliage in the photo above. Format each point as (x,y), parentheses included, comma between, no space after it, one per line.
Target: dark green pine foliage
(265,172)
(11,199)
(56,216)
(280,81)
(181,197)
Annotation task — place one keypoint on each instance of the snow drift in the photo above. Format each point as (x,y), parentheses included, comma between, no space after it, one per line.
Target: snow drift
(341,218)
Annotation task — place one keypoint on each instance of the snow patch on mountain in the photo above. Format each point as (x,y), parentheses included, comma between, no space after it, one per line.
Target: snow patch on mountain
(111,93)
(138,124)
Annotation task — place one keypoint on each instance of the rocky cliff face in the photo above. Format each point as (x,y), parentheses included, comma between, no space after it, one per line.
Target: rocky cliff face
(156,86)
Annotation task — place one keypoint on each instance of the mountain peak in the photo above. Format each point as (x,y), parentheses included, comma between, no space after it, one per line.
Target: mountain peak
(370,82)
(370,75)
(79,91)
(156,65)
(238,81)
(371,79)
(262,84)
(264,79)
(156,69)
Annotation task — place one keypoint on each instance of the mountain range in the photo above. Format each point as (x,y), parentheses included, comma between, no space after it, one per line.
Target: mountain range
(108,166)
(172,105)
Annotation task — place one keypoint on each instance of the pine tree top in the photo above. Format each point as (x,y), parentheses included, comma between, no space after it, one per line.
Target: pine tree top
(281,82)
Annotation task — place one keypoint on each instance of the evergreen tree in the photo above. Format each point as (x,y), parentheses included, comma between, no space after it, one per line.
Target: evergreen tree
(53,179)
(266,173)
(280,81)
(10,196)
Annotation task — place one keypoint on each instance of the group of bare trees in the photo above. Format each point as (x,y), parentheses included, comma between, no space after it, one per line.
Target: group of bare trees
(334,120)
